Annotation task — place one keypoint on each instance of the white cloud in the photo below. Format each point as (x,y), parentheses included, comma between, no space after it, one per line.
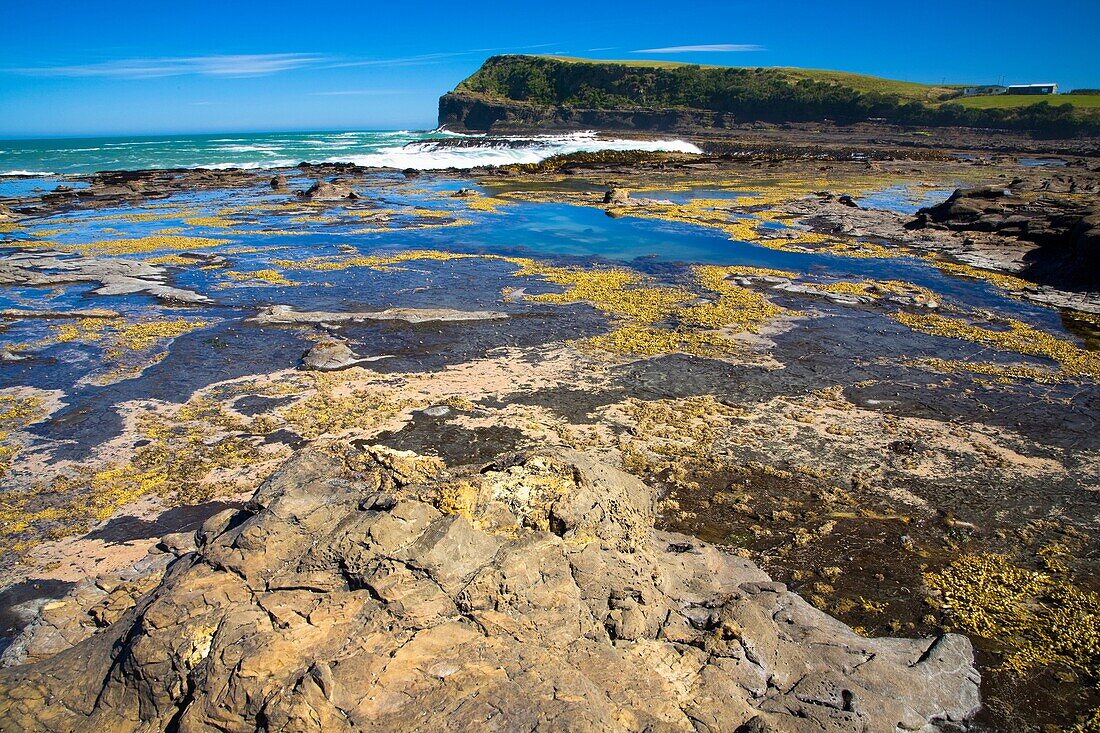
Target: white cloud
(705,48)
(236,65)
(153,68)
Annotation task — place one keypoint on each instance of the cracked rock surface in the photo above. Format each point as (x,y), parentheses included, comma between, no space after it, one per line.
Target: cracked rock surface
(533,594)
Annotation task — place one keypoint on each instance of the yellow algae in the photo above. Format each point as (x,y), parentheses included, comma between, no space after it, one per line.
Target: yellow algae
(181,461)
(272,232)
(170,230)
(211,222)
(747,271)
(142,245)
(1003,373)
(486,204)
(145,334)
(151,216)
(457,222)
(1001,280)
(334,408)
(878,289)
(737,308)
(313,219)
(82,329)
(369,261)
(616,291)
(667,437)
(1040,620)
(641,340)
(641,308)
(16,412)
(128,348)
(1016,336)
(47,233)
(176,260)
(268,275)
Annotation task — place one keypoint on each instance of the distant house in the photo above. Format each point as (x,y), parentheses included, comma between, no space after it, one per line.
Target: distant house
(1033,89)
(984,91)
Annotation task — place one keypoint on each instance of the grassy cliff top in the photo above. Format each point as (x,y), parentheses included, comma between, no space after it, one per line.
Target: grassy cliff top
(773,94)
(860,82)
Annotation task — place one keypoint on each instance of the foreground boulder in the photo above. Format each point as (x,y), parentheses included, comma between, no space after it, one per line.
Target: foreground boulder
(335,190)
(532,595)
(329,356)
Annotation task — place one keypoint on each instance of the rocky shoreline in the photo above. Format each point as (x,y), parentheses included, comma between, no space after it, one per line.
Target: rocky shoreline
(879,390)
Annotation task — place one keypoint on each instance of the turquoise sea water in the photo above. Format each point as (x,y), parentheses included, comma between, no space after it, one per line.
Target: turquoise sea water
(386,148)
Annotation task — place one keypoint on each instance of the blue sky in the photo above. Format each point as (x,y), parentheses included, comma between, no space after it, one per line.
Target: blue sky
(79,68)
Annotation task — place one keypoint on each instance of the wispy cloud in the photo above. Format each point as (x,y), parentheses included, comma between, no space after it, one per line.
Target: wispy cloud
(705,48)
(239,65)
(601,48)
(153,68)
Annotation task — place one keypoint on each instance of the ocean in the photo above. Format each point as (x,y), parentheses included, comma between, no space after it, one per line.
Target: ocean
(387,149)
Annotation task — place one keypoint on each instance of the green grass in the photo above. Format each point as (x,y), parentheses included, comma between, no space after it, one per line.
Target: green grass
(638,63)
(873,84)
(769,94)
(863,83)
(1011,101)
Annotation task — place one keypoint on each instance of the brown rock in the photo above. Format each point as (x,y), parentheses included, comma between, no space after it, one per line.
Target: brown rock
(322,190)
(319,610)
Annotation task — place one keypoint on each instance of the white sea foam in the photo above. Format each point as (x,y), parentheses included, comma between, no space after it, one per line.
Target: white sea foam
(249,165)
(428,155)
(389,149)
(265,149)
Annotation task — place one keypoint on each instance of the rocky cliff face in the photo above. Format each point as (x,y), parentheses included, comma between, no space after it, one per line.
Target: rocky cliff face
(475,113)
(532,595)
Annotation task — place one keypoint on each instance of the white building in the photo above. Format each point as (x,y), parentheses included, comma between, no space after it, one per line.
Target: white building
(1033,89)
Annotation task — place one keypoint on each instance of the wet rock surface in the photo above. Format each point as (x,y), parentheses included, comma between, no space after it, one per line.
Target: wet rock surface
(852,456)
(1061,215)
(531,594)
(329,356)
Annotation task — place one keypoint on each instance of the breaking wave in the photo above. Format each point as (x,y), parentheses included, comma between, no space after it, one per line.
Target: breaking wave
(494,151)
(436,149)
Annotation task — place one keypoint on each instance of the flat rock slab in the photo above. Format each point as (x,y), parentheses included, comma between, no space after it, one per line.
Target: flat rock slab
(530,594)
(281,314)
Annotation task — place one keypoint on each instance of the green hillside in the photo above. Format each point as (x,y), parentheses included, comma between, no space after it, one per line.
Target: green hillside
(1010,101)
(860,82)
(773,94)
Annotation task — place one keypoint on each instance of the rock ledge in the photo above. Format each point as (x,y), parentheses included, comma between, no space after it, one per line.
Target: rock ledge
(532,595)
